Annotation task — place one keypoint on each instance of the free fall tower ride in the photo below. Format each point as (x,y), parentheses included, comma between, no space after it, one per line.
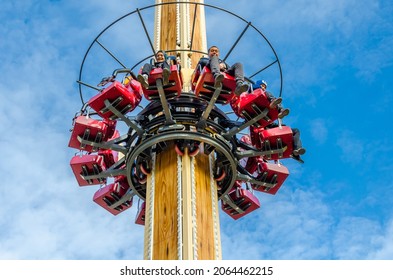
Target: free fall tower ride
(171,149)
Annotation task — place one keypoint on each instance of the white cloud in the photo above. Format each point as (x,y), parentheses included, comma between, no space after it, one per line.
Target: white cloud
(384,244)
(293,224)
(351,146)
(319,130)
(355,237)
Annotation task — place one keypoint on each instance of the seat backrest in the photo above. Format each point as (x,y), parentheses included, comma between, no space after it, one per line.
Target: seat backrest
(171,59)
(203,61)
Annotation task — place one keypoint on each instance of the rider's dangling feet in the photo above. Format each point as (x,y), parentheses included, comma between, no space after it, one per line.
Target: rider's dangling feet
(300,151)
(143,79)
(297,158)
(218,78)
(283,113)
(165,76)
(275,102)
(240,88)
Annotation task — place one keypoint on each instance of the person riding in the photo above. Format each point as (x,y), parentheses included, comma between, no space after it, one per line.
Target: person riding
(274,102)
(297,148)
(160,62)
(217,66)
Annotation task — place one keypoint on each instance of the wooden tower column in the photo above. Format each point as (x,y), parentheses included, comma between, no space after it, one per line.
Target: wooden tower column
(182,211)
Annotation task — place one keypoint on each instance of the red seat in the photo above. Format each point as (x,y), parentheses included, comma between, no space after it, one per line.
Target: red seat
(272,174)
(88,165)
(140,216)
(249,163)
(91,130)
(108,196)
(250,105)
(115,135)
(243,199)
(273,138)
(123,97)
(110,157)
(172,89)
(203,86)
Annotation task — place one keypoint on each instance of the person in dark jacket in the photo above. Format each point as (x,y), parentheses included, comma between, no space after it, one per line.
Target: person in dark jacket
(217,66)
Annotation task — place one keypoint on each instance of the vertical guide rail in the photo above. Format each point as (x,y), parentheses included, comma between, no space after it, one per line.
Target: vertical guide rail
(187,218)
(183,23)
(149,214)
(157,27)
(180,210)
(184,33)
(194,210)
(215,212)
(193,26)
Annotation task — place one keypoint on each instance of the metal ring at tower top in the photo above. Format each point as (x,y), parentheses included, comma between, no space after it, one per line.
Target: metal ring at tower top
(132,63)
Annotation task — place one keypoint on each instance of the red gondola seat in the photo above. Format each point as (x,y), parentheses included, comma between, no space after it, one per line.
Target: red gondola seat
(202,82)
(109,196)
(140,216)
(115,135)
(272,175)
(249,163)
(91,130)
(123,97)
(250,105)
(244,200)
(172,89)
(110,157)
(86,165)
(273,138)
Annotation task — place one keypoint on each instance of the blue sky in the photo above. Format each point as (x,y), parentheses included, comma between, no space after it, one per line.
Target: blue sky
(337,63)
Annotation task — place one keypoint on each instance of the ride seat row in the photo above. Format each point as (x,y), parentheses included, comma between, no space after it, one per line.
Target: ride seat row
(245,202)
(108,197)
